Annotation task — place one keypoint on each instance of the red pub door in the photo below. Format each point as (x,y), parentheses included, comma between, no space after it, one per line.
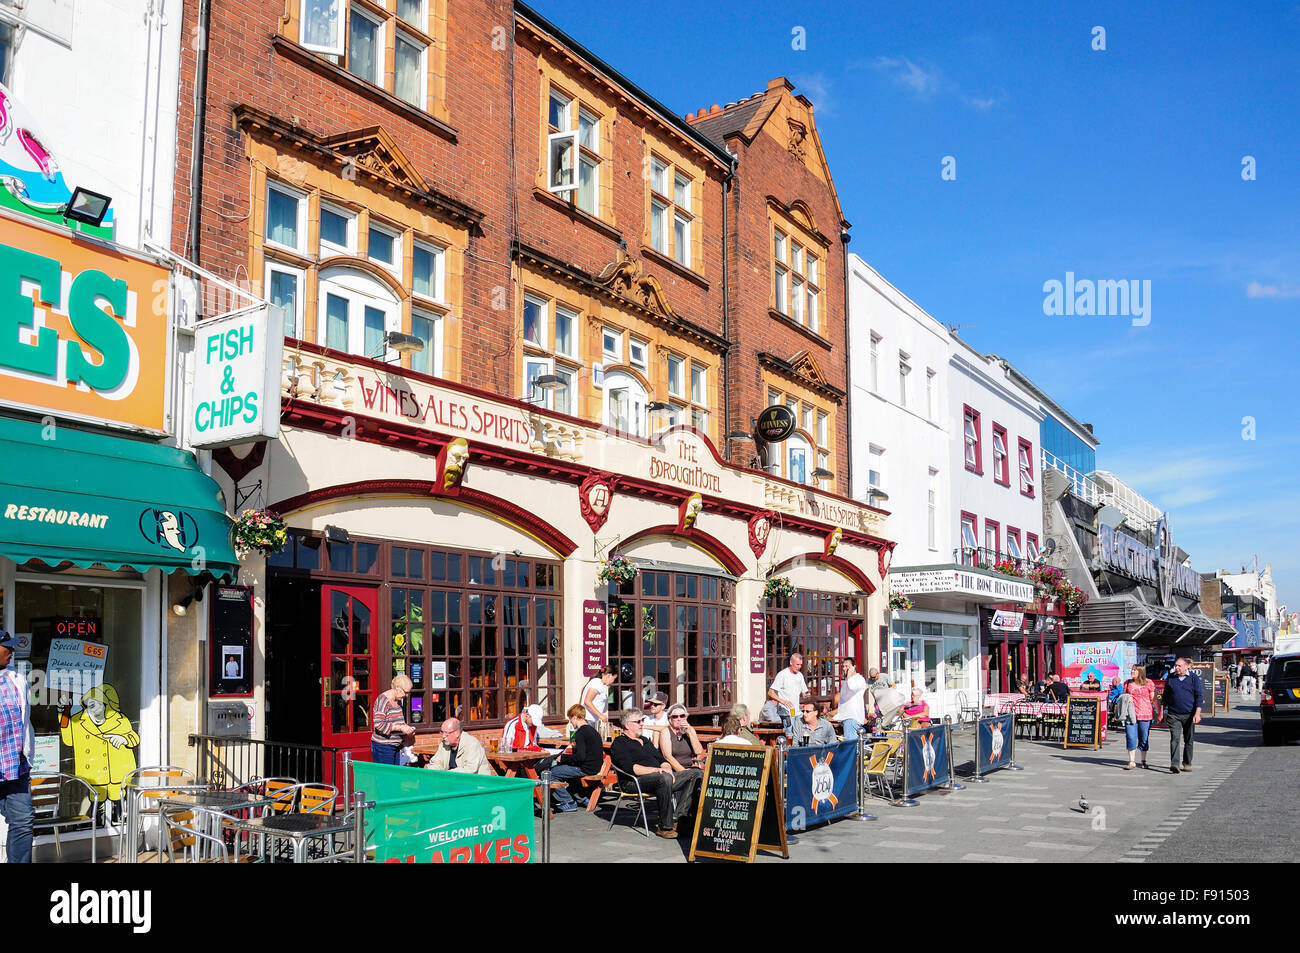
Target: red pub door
(349,681)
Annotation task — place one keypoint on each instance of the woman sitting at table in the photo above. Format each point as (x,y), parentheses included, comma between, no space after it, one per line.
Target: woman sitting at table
(679,744)
(919,708)
(731,732)
(584,760)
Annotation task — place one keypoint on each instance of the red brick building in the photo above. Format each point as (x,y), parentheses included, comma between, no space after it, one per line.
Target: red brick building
(599,293)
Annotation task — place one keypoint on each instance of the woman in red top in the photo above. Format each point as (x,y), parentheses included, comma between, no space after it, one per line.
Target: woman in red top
(1137,735)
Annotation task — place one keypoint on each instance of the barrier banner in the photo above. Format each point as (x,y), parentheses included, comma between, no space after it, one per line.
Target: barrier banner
(993,743)
(821,784)
(927,759)
(435,817)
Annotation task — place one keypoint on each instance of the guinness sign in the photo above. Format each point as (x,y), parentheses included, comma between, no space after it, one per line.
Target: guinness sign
(775,424)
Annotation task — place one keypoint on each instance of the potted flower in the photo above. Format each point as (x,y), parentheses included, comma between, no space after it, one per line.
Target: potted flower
(618,570)
(1008,567)
(259,530)
(778,587)
(899,602)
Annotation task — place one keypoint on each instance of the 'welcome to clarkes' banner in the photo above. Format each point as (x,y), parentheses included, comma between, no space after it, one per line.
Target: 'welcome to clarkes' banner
(435,817)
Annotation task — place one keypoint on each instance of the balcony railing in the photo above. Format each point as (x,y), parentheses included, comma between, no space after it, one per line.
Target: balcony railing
(966,556)
(1084,487)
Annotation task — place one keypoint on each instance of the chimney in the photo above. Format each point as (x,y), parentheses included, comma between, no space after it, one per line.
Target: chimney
(779,82)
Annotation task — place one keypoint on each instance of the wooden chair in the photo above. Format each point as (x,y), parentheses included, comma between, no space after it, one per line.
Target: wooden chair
(48,790)
(317,798)
(600,782)
(183,836)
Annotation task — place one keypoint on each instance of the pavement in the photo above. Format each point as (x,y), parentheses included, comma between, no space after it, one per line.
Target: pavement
(1032,815)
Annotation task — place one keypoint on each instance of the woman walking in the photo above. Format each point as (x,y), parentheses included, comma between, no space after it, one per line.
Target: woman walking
(1138,734)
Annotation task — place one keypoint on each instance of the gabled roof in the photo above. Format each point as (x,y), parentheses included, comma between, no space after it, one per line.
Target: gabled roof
(750,116)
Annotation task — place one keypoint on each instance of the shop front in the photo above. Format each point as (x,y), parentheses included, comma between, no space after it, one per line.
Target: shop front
(102,529)
(1020,641)
(465,540)
(939,645)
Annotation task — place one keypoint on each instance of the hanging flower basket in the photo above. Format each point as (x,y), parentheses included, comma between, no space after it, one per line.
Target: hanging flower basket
(778,587)
(618,570)
(899,602)
(259,531)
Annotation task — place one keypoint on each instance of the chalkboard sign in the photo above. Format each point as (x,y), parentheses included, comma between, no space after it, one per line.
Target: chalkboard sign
(1082,722)
(230,642)
(740,805)
(1220,693)
(1205,671)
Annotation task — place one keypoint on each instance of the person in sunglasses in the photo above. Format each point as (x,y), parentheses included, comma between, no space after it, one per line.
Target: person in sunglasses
(680,745)
(811,728)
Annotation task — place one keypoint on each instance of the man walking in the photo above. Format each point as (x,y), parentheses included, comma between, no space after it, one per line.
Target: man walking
(1182,703)
(16,743)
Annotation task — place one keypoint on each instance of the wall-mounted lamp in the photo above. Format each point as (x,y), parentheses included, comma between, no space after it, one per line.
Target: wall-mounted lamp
(401,343)
(182,606)
(821,473)
(336,534)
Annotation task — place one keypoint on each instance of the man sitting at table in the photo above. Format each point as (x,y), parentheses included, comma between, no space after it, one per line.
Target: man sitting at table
(587,757)
(459,751)
(811,728)
(520,733)
(656,716)
(633,754)
(1057,690)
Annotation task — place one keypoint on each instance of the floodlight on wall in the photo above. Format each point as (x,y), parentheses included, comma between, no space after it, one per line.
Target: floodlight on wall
(876,494)
(337,534)
(87,207)
(657,405)
(549,382)
(399,342)
(821,473)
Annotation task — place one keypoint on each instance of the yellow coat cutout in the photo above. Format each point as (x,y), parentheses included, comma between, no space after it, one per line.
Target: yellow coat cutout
(101,749)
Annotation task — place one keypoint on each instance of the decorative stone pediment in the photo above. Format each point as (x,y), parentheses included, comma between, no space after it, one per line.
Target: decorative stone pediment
(625,278)
(805,367)
(375,151)
(798,133)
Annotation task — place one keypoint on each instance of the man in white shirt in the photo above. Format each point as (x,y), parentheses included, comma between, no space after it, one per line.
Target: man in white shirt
(787,688)
(850,700)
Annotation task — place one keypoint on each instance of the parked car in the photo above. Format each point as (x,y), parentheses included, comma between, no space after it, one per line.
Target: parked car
(1279,702)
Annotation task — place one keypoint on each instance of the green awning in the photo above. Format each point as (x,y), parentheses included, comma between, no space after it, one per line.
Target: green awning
(90,498)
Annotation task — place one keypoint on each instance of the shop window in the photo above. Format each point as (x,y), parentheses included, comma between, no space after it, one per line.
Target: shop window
(479,654)
(74,709)
(817,625)
(671,632)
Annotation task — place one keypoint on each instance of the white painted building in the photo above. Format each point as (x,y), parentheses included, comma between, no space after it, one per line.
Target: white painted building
(916,388)
(99,79)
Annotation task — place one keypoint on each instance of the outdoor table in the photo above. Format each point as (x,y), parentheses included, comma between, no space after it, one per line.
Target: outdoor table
(296,828)
(768,736)
(226,802)
(560,741)
(133,792)
(512,763)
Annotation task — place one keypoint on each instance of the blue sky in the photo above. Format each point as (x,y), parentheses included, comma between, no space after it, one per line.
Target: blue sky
(1125,163)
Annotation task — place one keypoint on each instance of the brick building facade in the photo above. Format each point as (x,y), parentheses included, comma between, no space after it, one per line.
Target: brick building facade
(601,293)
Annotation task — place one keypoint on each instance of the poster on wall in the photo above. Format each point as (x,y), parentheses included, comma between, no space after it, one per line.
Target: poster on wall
(75,667)
(1100,662)
(231,642)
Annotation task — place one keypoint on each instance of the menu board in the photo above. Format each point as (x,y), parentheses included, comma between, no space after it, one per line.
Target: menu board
(1082,722)
(1205,671)
(1220,693)
(740,805)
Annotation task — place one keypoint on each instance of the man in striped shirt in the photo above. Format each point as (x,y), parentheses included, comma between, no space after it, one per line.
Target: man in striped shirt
(16,743)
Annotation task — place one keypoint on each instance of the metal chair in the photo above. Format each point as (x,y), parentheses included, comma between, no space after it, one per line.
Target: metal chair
(317,798)
(967,713)
(629,788)
(131,788)
(183,835)
(884,766)
(48,788)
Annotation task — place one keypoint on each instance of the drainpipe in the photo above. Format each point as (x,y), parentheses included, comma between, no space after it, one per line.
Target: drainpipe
(196,133)
(726,320)
(845,238)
